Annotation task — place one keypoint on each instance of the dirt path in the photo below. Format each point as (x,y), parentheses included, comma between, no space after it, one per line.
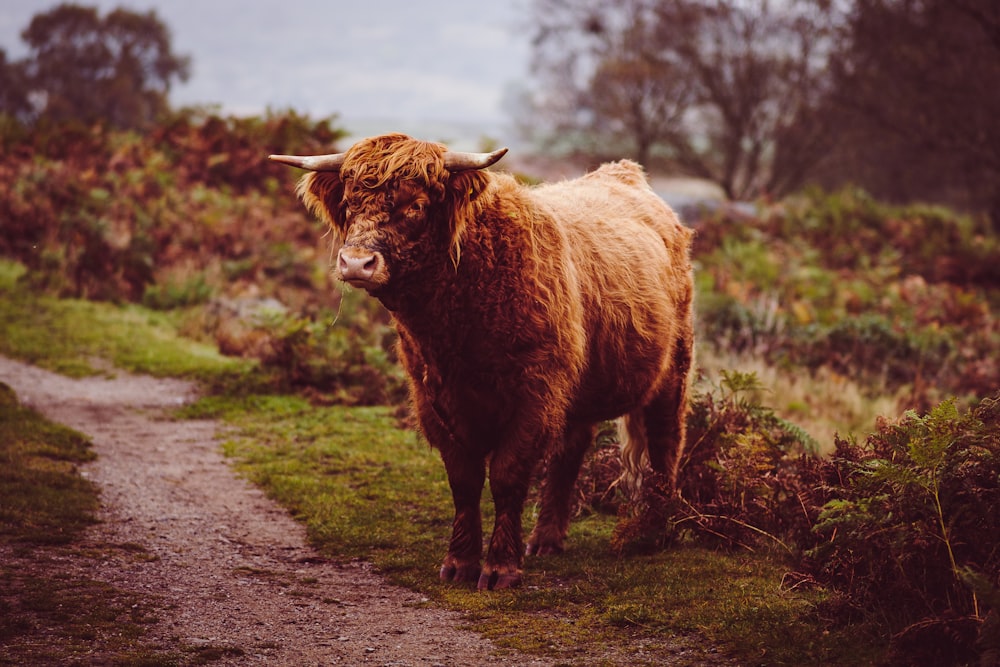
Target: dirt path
(232,567)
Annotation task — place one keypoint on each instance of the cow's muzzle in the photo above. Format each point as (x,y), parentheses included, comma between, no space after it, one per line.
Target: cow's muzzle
(362,267)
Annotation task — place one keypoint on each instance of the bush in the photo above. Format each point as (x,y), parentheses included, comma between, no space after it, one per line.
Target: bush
(170,295)
(918,502)
(899,298)
(853,231)
(871,346)
(902,528)
(334,361)
(746,478)
(109,215)
(345,357)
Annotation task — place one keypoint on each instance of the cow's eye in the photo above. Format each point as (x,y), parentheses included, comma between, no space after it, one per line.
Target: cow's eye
(416,208)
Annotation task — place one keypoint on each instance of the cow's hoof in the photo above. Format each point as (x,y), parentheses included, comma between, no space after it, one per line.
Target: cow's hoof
(543,549)
(545,540)
(460,573)
(496,580)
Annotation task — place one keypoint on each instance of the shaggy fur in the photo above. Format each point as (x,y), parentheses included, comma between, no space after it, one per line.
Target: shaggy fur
(525,317)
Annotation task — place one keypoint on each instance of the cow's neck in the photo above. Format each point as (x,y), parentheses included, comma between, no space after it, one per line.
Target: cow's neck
(451,300)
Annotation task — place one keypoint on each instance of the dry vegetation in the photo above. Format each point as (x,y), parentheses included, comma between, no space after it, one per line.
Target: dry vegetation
(844,307)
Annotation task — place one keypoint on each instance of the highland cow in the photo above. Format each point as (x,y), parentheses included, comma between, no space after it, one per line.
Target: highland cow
(526,316)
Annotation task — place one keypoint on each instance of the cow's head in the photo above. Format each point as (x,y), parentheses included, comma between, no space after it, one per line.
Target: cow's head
(394,204)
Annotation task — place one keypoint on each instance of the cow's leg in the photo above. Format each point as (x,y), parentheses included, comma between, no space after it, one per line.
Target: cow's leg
(510,474)
(466,476)
(561,470)
(665,415)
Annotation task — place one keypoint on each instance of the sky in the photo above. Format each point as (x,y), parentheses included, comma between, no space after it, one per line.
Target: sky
(446,66)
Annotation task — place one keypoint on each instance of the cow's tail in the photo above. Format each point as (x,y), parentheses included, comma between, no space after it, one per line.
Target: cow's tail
(635,453)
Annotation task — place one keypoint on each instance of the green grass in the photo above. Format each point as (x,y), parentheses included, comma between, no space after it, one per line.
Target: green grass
(366,489)
(43,500)
(79,338)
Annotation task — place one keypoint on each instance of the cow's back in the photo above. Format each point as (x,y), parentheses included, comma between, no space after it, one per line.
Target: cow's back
(630,257)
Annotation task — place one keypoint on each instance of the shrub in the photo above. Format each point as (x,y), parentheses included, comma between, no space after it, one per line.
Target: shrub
(903,526)
(345,357)
(871,346)
(110,215)
(918,507)
(169,295)
(853,231)
(898,297)
(746,478)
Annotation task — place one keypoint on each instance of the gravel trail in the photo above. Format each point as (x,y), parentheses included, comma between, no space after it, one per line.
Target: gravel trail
(232,568)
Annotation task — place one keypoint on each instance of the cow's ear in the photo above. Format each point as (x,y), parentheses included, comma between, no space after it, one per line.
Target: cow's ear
(462,207)
(322,192)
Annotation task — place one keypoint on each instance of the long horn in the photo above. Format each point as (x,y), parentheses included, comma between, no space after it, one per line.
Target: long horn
(454,161)
(329,162)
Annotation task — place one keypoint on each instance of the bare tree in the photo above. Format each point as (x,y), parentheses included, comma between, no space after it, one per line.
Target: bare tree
(918,94)
(579,103)
(725,89)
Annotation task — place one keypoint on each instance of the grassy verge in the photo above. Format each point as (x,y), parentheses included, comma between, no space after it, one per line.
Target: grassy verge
(79,338)
(44,500)
(367,489)
(51,612)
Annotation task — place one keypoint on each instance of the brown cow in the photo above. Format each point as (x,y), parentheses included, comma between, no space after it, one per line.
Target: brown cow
(526,315)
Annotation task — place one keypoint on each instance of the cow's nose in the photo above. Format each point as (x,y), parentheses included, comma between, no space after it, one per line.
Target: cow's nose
(358,265)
